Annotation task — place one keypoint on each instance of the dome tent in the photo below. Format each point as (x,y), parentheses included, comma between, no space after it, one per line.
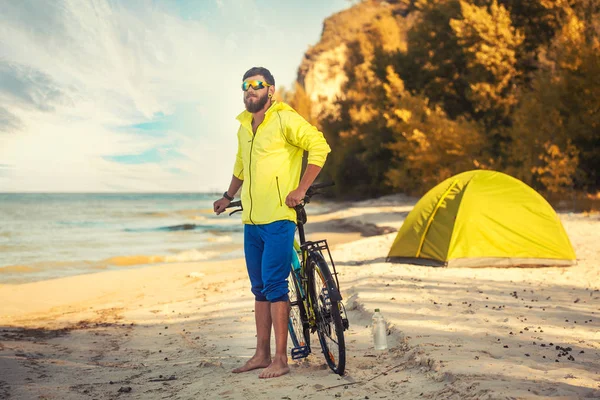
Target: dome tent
(482,218)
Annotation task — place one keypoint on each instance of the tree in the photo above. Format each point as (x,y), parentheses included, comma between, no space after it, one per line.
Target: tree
(561,114)
(557,167)
(490,45)
(433,64)
(428,146)
(357,132)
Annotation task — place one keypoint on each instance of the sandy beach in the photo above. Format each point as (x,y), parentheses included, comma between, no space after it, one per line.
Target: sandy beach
(177,330)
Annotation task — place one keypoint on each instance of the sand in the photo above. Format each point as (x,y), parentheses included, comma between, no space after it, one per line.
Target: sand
(177,330)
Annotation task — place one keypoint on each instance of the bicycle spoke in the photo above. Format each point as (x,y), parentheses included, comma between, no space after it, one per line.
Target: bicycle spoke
(299,334)
(329,322)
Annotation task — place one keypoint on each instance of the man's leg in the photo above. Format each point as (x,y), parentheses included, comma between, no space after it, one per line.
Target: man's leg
(253,249)
(277,258)
(262,356)
(280,313)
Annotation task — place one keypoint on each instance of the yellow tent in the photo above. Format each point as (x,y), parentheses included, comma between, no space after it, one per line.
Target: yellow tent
(482,218)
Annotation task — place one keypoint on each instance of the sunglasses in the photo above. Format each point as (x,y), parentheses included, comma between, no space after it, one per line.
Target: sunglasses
(256,85)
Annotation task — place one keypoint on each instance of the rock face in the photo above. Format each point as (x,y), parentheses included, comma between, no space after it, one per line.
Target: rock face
(367,24)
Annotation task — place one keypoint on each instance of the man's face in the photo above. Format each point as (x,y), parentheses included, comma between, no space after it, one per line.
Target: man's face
(255,99)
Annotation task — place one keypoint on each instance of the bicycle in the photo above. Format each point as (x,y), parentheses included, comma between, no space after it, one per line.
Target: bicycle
(315,299)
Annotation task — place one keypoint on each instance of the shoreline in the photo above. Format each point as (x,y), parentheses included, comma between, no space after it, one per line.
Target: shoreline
(176,330)
(213,249)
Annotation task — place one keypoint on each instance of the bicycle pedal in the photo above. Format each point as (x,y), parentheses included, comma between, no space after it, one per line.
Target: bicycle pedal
(300,352)
(345,323)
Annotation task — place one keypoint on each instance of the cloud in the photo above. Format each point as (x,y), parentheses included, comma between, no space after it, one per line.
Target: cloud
(5,170)
(79,80)
(27,87)
(9,123)
(135,95)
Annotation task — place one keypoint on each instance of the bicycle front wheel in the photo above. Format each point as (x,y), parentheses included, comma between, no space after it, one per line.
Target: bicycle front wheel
(324,298)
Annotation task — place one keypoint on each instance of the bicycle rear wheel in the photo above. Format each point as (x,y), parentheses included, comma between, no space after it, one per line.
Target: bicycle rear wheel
(298,322)
(325,301)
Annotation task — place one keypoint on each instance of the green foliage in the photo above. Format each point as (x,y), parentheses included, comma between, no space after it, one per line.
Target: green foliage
(504,84)
(358,134)
(562,109)
(557,167)
(434,62)
(539,20)
(428,147)
(489,44)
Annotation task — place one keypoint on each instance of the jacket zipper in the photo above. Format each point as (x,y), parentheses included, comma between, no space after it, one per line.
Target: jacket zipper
(250,175)
(250,169)
(279,191)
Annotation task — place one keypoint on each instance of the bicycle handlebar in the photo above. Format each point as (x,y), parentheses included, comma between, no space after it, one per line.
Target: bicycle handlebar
(312,190)
(233,204)
(321,185)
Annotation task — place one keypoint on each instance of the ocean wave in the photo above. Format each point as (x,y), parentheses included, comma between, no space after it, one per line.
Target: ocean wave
(16,247)
(220,239)
(85,224)
(160,214)
(183,256)
(15,269)
(190,213)
(189,227)
(182,227)
(192,255)
(62,268)
(127,261)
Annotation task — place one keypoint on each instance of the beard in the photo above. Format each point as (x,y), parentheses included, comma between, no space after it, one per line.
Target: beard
(255,102)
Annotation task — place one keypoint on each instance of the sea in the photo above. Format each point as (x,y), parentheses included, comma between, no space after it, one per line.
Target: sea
(47,236)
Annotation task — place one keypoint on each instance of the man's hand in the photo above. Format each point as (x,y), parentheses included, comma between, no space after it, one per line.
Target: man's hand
(220,205)
(295,197)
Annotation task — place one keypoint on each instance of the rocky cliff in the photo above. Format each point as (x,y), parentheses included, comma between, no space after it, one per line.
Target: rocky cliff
(367,24)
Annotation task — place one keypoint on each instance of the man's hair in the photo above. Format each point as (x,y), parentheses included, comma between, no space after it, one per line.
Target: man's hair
(260,71)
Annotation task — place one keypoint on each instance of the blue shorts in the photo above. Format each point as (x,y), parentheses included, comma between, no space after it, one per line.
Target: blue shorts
(268,249)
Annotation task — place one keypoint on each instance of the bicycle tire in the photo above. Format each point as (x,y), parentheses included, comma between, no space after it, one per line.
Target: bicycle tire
(298,321)
(330,329)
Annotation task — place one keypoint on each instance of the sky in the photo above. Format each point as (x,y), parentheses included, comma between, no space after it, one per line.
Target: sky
(137,96)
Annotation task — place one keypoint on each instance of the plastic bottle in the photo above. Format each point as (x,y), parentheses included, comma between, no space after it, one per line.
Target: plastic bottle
(379,331)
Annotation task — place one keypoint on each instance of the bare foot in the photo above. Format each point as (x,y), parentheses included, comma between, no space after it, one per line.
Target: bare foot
(254,363)
(278,367)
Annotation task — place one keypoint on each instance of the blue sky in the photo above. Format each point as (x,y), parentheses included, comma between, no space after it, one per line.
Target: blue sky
(135,95)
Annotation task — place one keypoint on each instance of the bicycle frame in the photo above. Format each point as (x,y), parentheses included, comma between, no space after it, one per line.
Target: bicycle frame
(298,268)
(308,262)
(319,246)
(304,247)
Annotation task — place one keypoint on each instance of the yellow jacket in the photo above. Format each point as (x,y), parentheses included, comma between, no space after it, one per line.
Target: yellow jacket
(270,161)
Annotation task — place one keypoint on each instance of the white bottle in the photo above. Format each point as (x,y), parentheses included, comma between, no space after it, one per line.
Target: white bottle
(379,331)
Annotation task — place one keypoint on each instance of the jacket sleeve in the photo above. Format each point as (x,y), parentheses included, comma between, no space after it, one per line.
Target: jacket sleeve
(302,134)
(238,167)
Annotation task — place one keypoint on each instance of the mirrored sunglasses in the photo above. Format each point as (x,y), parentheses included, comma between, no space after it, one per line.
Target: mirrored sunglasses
(256,85)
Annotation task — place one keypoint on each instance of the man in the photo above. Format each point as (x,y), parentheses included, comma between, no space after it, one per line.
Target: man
(272,138)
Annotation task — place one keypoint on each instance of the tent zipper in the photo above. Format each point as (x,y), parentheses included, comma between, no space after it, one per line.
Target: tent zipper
(432,216)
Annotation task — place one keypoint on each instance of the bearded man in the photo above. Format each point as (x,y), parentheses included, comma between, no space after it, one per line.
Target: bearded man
(272,138)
